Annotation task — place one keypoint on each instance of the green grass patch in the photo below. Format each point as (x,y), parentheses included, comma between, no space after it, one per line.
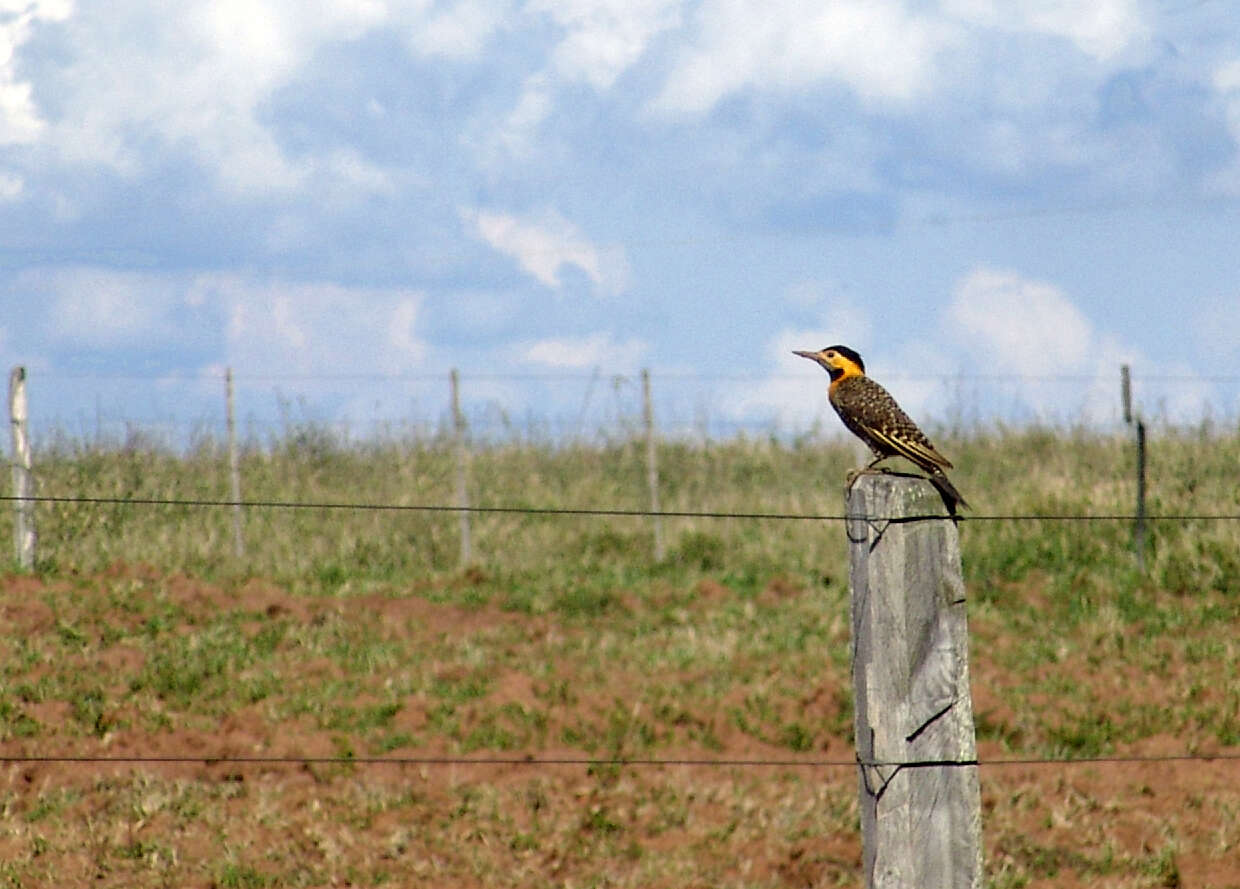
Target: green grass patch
(358,633)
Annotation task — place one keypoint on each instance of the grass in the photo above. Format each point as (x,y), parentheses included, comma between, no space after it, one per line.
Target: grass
(356,633)
(336,551)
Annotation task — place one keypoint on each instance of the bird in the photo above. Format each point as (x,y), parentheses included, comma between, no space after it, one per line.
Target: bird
(871,414)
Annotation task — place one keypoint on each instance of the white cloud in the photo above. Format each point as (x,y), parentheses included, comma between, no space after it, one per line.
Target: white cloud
(11,185)
(1009,324)
(269,325)
(542,245)
(402,329)
(1225,79)
(19,121)
(315,327)
(601,40)
(195,81)
(19,118)
(1102,29)
(516,136)
(353,171)
(95,307)
(134,83)
(604,38)
(887,52)
(593,350)
(1020,326)
(878,48)
(458,32)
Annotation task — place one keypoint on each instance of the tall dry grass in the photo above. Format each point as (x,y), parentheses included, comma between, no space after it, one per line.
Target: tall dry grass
(1004,473)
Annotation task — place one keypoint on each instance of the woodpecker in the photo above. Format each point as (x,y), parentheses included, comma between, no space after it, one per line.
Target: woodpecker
(870,413)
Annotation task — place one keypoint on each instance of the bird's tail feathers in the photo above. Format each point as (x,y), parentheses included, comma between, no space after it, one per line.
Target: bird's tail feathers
(952,498)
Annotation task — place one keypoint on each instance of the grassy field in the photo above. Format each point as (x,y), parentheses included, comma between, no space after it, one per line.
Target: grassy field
(355,633)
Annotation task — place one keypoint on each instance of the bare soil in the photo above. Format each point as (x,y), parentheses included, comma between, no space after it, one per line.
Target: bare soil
(208,823)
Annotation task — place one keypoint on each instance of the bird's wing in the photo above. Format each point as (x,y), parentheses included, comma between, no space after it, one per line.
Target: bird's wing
(912,444)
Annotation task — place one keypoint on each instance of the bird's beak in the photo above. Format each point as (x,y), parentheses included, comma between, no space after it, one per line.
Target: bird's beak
(812,356)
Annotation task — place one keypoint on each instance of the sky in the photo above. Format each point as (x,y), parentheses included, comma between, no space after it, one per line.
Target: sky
(996,204)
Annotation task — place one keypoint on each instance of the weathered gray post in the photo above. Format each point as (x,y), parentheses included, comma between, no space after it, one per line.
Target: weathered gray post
(23,507)
(1125,391)
(916,747)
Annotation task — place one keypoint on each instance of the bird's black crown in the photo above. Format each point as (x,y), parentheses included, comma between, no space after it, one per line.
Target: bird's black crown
(849,354)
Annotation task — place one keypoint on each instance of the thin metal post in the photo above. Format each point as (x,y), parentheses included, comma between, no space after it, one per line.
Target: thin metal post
(652,468)
(1139,530)
(24,536)
(234,467)
(462,459)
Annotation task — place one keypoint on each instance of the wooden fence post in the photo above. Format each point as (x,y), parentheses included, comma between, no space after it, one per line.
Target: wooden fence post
(652,468)
(234,466)
(916,746)
(462,458)
(24,536)
(1125,391)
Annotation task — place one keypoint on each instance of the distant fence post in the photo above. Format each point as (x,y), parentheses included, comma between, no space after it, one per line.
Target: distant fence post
(652,468)
(1125,391)
(462,458)
(234,466)
(23,507)
(1138,528)
(916,745)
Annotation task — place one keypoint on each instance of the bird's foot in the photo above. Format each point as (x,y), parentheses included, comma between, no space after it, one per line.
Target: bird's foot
(854,474)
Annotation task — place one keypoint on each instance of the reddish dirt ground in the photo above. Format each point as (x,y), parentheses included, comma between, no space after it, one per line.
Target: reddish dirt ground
(201,823)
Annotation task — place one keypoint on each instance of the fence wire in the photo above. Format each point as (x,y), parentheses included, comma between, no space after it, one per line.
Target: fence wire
(612,512)
(612,762)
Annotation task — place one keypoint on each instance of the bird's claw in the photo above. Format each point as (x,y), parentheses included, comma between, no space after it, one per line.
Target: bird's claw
(854,474)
